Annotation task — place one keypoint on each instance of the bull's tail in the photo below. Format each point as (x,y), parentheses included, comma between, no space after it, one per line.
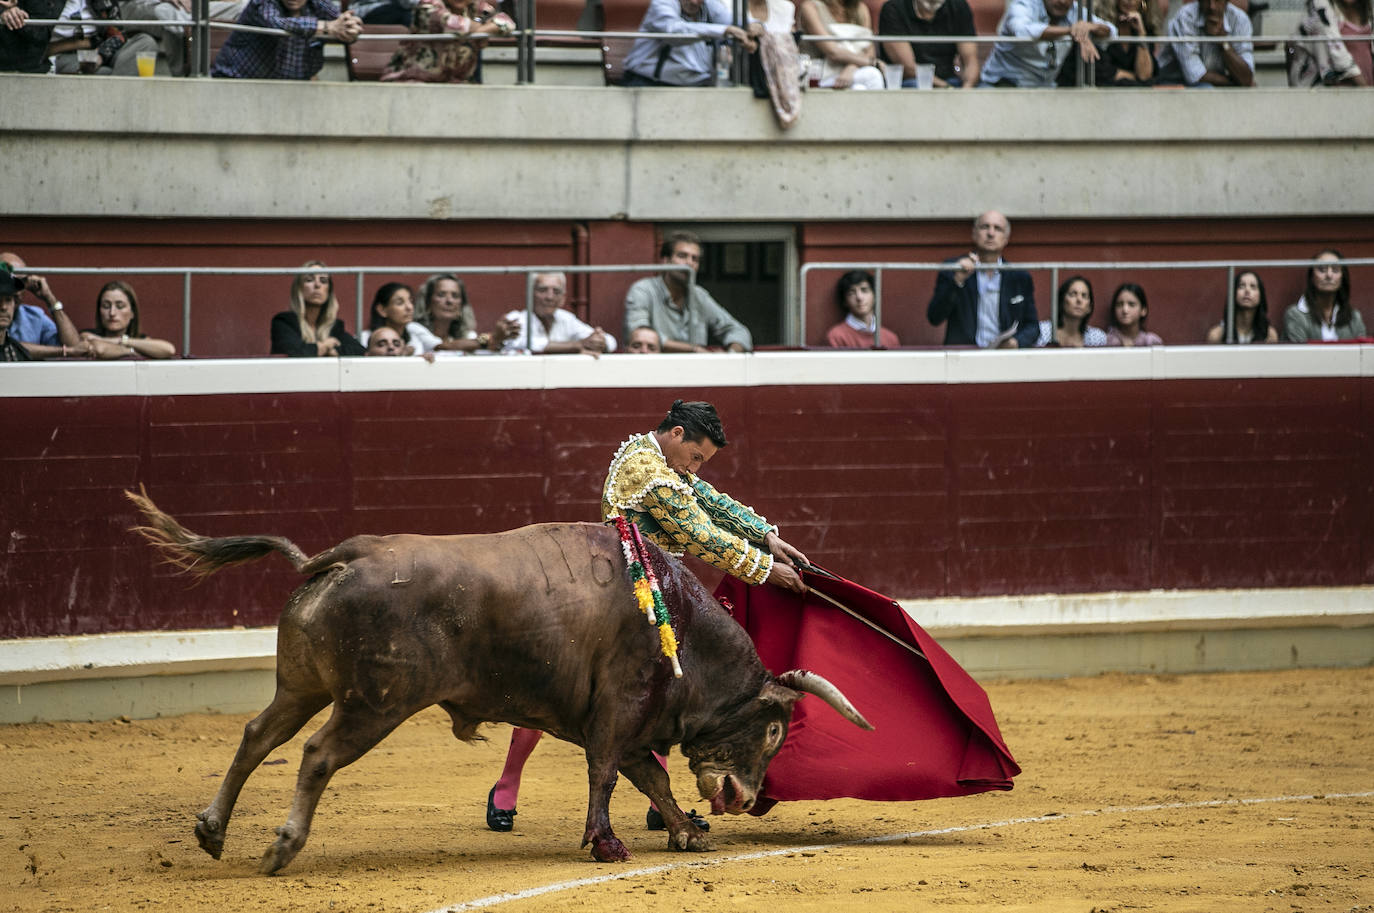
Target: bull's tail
(201,555)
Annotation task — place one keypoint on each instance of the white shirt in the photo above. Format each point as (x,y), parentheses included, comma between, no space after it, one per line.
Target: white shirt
(566,328)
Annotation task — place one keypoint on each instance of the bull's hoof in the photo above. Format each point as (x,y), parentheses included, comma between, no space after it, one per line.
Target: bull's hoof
(690,841)
(280,853)
(210,835)
(609,849)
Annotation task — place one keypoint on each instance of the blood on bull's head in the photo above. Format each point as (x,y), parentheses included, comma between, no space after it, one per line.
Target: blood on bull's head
(730,759)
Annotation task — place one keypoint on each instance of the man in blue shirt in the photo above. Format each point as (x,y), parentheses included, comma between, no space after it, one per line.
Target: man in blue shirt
(658,62)
(1034,64)
(1206,65)
(298,55)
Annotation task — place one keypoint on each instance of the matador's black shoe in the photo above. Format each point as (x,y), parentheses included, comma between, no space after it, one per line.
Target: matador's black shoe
(653,820)
(499,819)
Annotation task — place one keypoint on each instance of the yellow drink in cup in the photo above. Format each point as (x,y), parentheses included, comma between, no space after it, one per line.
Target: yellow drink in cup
(147,60)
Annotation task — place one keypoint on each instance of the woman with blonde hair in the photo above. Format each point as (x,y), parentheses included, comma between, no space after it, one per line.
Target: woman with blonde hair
(312,327)
(117,333)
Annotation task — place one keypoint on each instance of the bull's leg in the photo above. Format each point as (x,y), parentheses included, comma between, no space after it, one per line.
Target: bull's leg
(282,719)
(350,732)
(649,777)
(601,777)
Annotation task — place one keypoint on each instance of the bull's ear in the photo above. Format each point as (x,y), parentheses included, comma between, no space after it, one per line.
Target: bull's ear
(774,693)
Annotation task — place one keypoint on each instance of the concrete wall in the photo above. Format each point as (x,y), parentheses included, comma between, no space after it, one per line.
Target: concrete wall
(165,148)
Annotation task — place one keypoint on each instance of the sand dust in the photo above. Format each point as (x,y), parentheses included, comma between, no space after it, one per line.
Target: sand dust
(98,816)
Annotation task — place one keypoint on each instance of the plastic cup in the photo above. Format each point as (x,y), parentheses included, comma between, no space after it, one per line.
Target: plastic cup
(147,62)
(892,72)
(925,75)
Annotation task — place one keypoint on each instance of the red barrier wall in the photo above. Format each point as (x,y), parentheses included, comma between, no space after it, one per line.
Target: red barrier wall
(916,490)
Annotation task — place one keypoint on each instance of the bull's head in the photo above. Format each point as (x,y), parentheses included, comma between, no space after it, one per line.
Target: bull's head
(730,759)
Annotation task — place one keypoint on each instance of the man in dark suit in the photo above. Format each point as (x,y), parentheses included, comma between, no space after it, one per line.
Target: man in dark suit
(984,312)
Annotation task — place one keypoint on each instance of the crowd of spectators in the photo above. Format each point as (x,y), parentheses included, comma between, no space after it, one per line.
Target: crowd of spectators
(980,299)
(1334,47)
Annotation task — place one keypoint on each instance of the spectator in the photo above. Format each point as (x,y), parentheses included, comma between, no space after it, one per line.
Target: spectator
(1207,65)
(1126,320)
(1342,53)
(851,63)
(956,63)
(1056,24)
(32,326)
(24,47)
(299,55)
(854,294)
(1324,312)
(447,61)
(100,48)
(171,39)
(11,349)
(385,341)
(1251,308)
(117,333)
(1121,64)
(394,306)
(312,327)
(687,320)
(998,310)
(644,341)
(444,310)
(555,331)
(44,337)
(652,62)
(1071,330)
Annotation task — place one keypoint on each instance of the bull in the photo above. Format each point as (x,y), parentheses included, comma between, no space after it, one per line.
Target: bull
(536,627)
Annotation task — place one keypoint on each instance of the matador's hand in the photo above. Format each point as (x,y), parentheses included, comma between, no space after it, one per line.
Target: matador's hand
(783,551)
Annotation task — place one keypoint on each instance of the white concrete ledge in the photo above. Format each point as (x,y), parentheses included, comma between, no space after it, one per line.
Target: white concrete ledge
(99,656)
(1153,610)
(234,148)
(189,377)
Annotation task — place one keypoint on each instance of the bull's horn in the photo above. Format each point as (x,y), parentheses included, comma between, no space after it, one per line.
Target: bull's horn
(811,683)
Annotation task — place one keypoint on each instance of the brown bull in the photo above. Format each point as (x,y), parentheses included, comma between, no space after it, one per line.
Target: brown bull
(537,627)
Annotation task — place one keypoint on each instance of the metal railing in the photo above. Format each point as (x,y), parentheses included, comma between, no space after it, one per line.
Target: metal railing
(1232,267)
(360,273)
(527,39)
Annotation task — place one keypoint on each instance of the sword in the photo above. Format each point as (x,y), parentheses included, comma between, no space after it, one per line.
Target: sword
(853,614)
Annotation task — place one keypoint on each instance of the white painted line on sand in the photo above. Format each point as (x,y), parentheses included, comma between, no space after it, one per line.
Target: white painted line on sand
(496,899)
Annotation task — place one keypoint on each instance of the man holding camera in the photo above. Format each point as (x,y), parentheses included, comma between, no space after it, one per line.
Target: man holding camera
(44,337)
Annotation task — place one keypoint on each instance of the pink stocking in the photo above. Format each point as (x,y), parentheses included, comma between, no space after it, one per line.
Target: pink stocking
(522,742)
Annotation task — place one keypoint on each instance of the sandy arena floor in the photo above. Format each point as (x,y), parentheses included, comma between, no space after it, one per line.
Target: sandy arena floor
(1244,792)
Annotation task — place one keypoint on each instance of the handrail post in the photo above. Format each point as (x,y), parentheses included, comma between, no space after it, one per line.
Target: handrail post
(1054,300)
(524,44)
(200,38)
(186,314)
(801,303)
(358,320)
(877,308)
(1230,334)
(529,312)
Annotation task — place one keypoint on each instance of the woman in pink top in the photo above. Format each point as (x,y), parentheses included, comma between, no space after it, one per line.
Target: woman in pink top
(856,299)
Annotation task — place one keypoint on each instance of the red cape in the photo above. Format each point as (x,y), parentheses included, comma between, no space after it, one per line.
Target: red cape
(935,733)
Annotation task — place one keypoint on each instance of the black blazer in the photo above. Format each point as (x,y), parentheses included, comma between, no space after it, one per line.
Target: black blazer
(957,307)
(286,338)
